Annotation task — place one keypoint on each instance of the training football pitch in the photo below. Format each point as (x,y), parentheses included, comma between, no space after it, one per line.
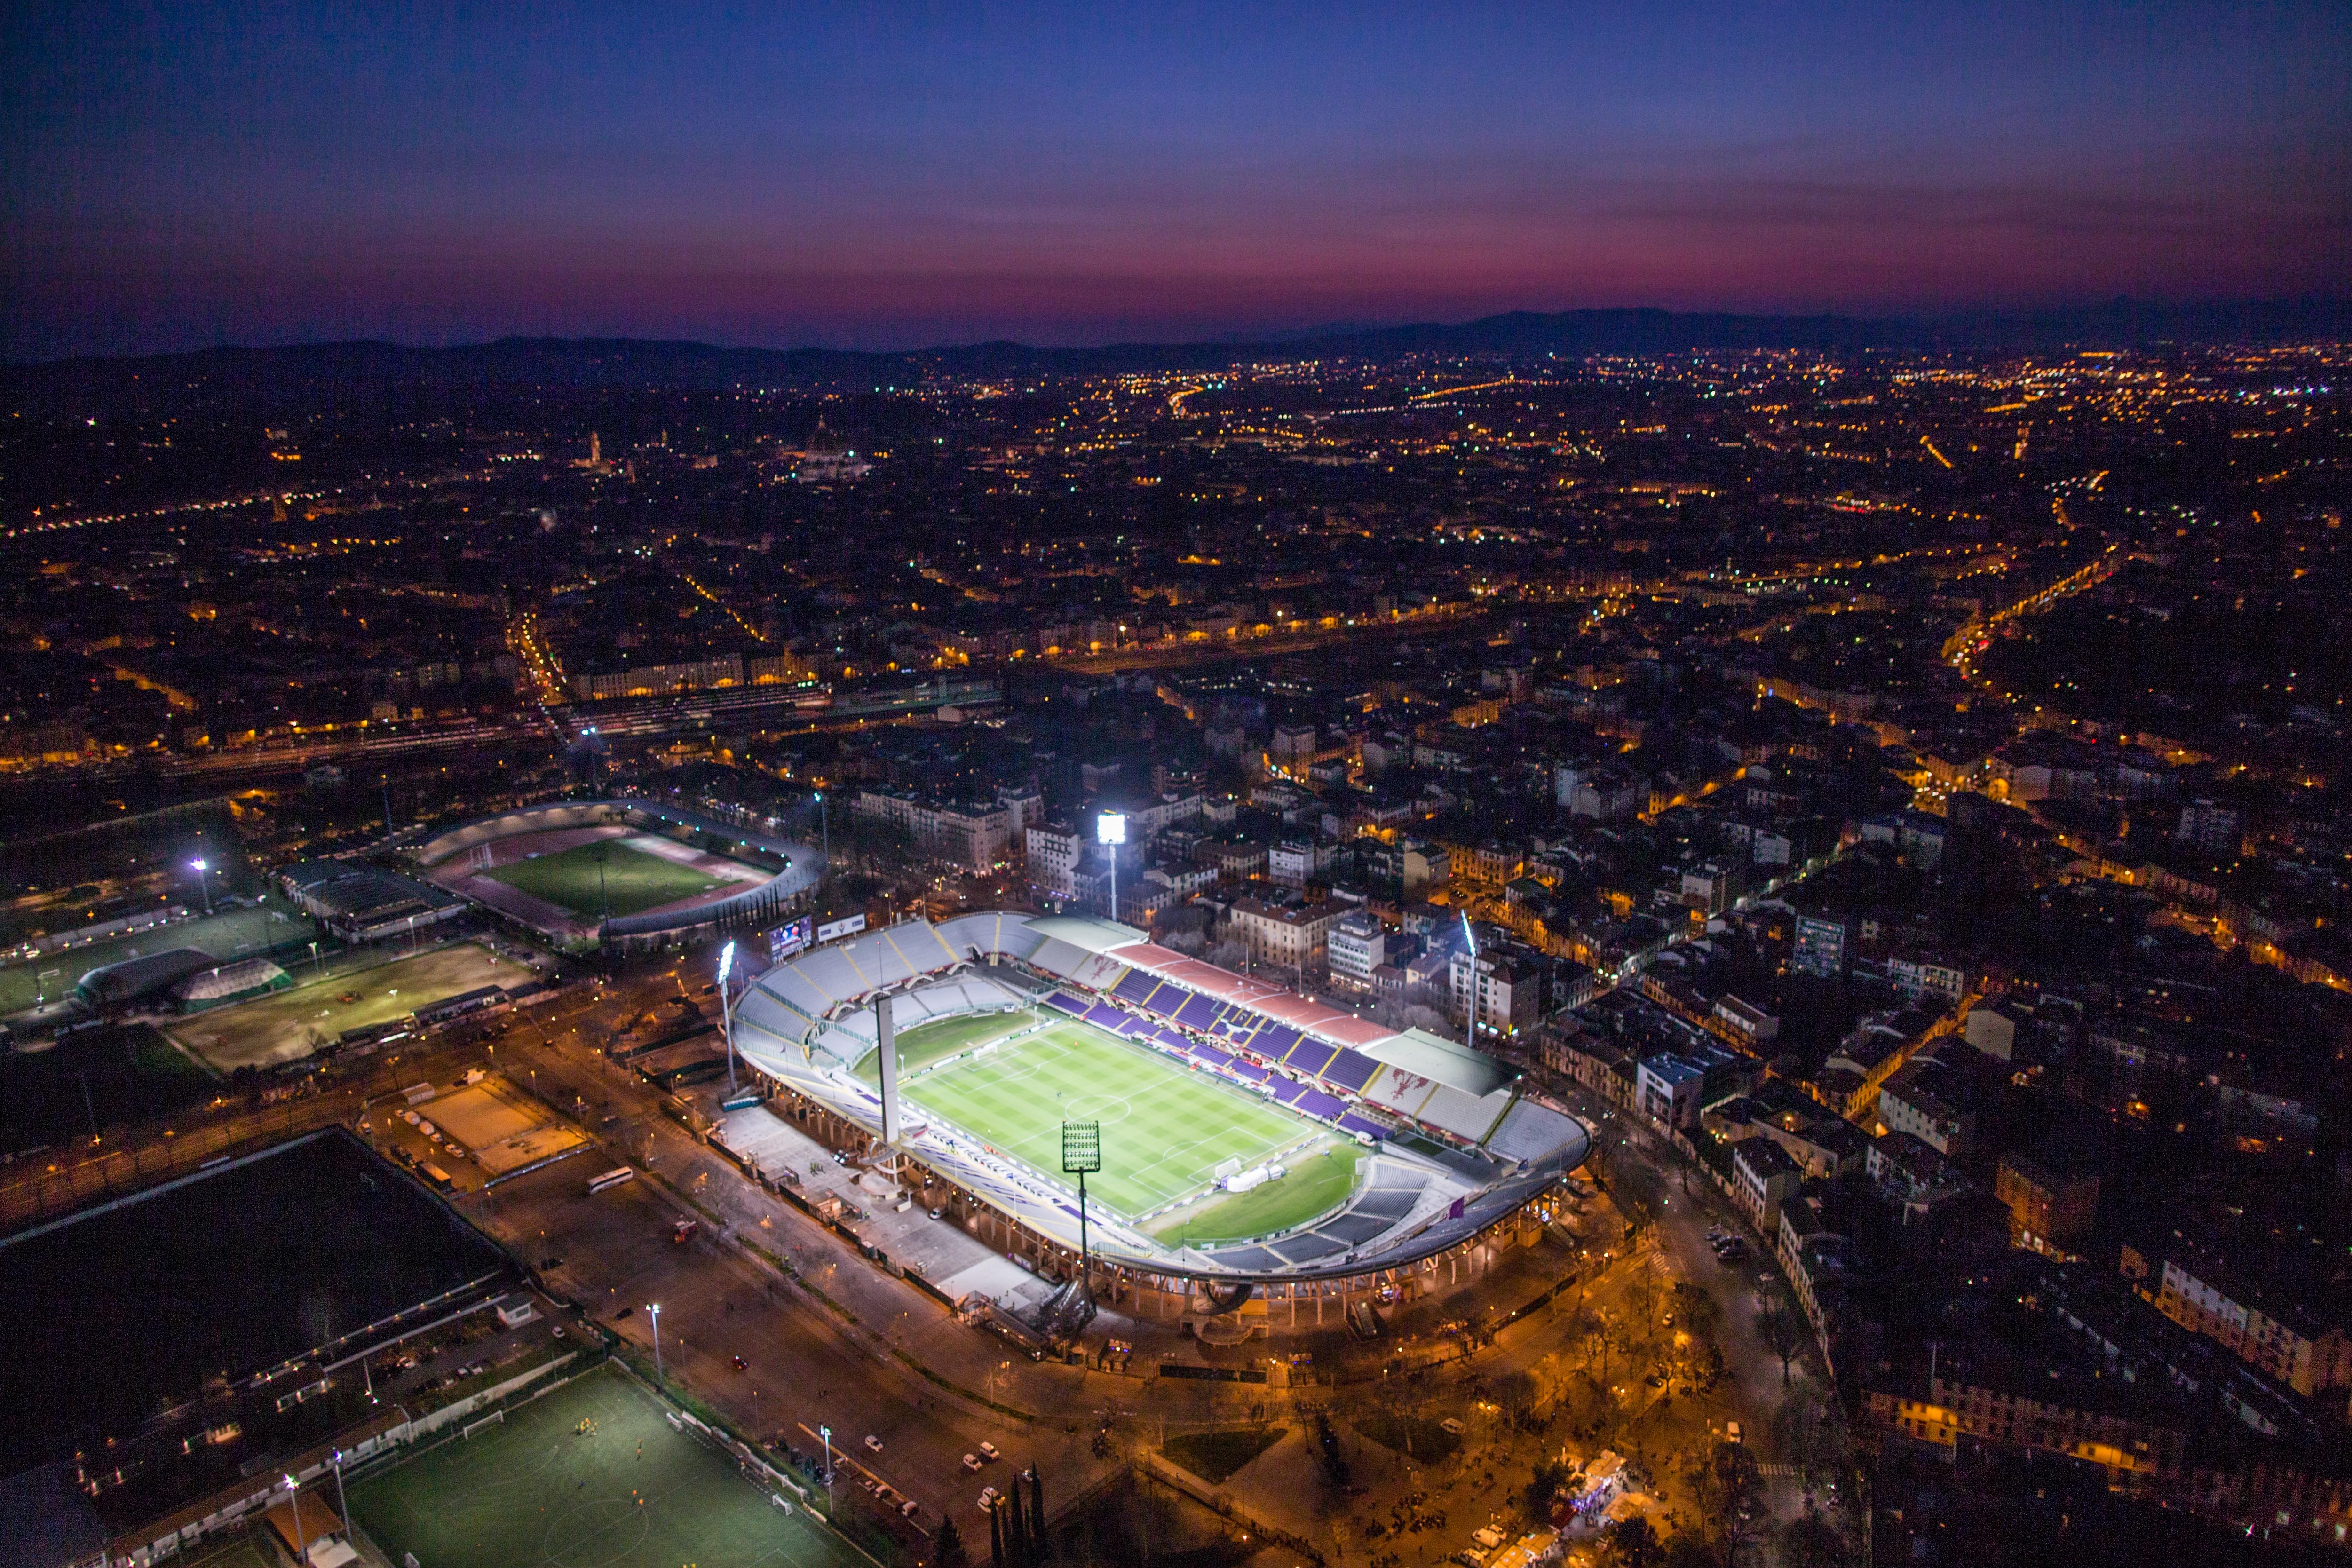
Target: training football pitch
(1165,1129)
(536,1491)
(632,881)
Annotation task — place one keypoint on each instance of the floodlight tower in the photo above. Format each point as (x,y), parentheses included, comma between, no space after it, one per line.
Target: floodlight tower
(203,881)
(1081,1153)
(1110,830)
(726,1013)
(886,1045)
(1472,938)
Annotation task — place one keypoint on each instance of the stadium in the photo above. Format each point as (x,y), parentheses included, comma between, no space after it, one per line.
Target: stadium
(624,873)
(1253,1141)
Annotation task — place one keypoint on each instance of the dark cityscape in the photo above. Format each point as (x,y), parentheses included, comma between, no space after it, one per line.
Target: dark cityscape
(1059,790)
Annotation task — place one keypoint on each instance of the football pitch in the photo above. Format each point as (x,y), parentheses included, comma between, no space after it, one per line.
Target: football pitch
(1165,1129)
(586,879)
(631,1491)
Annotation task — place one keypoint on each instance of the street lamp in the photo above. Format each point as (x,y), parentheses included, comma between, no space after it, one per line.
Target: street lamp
(727,1012)
(341,1505)
(1110,829)
(825,1433)
(825,827)
(654,1311)
(203,882)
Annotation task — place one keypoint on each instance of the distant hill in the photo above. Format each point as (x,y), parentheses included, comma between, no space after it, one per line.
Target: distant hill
(593,363)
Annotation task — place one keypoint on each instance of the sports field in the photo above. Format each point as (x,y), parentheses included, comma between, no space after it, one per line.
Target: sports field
(286,1024)
(920,1047)
(1165,1129)
(633,1491)
(588,878)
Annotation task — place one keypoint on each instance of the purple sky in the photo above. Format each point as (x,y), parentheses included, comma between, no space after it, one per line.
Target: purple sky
(176,176)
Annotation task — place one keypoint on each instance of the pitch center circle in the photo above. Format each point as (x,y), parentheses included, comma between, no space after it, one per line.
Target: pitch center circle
(1096,1108)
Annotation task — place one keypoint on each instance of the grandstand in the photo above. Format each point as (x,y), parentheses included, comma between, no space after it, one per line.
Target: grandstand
(1007,1022)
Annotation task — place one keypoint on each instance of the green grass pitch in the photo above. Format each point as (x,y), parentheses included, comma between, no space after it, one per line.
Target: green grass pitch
(535,1493)
(1165,1129)
(928,1044)
(634,880)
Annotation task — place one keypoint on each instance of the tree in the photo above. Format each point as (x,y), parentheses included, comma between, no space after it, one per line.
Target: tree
(1782,1330)
(947,1548)
(1689,1548)
(1808,1541)
(1635,1544)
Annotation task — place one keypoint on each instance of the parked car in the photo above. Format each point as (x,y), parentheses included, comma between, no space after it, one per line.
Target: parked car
(988,1451)
(873,1443)
(987,1499)
(971,1463)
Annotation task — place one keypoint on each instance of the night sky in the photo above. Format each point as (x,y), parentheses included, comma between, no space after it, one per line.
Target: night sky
(179,176)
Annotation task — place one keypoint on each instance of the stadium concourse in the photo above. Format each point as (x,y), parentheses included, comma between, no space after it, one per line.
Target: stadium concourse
(1453,1163)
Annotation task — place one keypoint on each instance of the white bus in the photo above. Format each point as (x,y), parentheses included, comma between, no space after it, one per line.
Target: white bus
(612,1178)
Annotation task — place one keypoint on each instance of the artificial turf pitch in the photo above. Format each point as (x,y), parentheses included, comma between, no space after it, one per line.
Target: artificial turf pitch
(633,881)
(1165,1129)
(534,1491)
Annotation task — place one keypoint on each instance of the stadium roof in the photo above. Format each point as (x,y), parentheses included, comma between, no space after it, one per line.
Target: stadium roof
(1455,1066)
(130,979)
(1088,931)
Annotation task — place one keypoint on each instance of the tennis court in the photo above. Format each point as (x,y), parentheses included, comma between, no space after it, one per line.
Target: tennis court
(1165,1129)
(588,878)
(629,1491)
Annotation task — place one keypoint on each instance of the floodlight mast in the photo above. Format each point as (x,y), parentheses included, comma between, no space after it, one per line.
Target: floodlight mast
(727,1014)
(1082,1153)
(1110,829)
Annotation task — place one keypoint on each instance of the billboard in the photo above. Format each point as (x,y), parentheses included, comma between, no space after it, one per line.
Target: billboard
(787,939)
(833,930)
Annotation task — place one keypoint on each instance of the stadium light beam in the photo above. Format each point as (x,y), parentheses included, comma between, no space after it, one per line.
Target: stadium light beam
(653,1310)
(204,880)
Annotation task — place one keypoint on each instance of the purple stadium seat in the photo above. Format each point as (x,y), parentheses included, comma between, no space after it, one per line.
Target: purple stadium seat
(1197,1012)
(1310,1055)
(1066,1002)
(1350,1071)
(1351,1123)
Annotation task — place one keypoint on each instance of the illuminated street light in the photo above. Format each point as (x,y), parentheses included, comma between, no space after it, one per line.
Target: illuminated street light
(203,882)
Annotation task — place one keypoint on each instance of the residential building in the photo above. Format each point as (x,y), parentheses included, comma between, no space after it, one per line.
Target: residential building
(2053,1200)
(1289,934)
(1357,945)
(1762,1178)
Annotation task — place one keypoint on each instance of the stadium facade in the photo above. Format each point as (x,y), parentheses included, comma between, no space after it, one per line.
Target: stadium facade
(1460,1164)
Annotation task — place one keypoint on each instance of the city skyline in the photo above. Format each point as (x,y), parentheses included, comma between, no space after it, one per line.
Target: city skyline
(899,184)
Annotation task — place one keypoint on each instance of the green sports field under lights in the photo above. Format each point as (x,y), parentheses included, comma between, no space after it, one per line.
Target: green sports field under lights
(1166,1130)
(633,881)
(629,1491)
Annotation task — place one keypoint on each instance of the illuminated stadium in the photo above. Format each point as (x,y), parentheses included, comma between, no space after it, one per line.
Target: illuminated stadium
(1251,1140)
(624,872)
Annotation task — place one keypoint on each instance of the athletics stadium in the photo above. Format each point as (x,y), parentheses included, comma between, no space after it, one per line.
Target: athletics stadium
(624,872)
(1253,1141)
